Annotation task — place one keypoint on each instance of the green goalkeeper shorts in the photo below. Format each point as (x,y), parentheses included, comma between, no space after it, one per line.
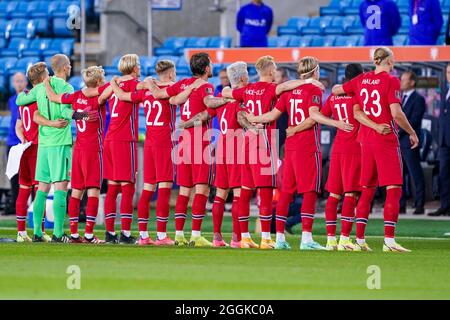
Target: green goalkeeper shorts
(54,163)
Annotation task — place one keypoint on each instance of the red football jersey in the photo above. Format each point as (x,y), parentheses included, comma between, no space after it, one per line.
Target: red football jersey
(193,105)
(230,129)
(160,118)
(375,94)
(89,133)
(123,125)
(340,108)
(258,98)
(30,128)
(296,104)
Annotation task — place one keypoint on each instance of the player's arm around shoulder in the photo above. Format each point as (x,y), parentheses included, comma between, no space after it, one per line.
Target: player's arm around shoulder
(25,98)
(66,109)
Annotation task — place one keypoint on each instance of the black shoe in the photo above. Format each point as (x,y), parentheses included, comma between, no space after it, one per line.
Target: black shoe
(36,238)
(419,210)
(62,239)
(109,238)
(439,212)
(127,240)
(402,210)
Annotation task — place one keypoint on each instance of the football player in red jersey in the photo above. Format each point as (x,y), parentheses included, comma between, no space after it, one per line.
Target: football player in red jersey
(345,164)
(193,153)
(87,152)
(303,158)
(158,165)
(260,166)
(378,92)
(27,131)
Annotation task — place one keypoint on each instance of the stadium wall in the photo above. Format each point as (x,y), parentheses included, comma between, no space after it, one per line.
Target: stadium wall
(119,35)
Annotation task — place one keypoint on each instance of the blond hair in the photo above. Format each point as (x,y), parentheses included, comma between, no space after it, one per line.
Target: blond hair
(37,72)
(92,75)
(58,62)
(381,54)
(307,66)
(263,64)
(128,62)
(164,65)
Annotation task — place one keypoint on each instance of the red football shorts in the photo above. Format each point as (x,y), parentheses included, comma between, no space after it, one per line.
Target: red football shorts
(120,161)
(381,165)
(227,176)
(345,173)
(158,164)
(27,168)
(259,169)
(194,164)
(87,169)
(302,171)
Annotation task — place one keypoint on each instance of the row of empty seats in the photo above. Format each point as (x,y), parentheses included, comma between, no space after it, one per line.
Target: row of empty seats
(174,46)
(38,47)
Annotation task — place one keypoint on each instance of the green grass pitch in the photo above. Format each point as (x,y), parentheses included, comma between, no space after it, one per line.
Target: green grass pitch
(38,271)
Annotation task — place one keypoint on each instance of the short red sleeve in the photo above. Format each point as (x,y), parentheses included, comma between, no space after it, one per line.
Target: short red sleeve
(350,87)
(315,98)
(174,89)
(394,95)
(238,94)
(69,98)
(281,103)
(138,96)
(326,110)
(103,88)
(206,90)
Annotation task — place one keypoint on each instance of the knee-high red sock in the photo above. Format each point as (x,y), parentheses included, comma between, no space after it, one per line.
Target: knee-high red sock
(74,213)
(391,211)
(235,218)
(22,208)
(198,211)
(126,206)
(244,209)
(143,209)
(331,215)
(308,210)
(217,214)
(363,211)
(91,214)
(180,212)
(162,209)
(110,206)
(347,215)
(265,208)
(283,210)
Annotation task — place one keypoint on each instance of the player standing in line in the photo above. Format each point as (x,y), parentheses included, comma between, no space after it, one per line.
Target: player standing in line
(87,152)
(27,131)
(55,147)
(193,156)
(158,164)
(303,158)
(259,98)
(345,164)
(379,94)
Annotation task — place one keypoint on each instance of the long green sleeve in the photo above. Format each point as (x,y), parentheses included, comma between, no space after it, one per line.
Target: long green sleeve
(24,99)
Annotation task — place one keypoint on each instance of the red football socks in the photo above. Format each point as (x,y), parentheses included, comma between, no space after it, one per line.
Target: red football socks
(308,210)
(331,215)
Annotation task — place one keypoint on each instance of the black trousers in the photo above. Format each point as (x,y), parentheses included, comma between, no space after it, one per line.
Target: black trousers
(444,176)
(412,167)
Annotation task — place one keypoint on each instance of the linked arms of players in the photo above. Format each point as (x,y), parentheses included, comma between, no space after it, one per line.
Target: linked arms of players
(400,117)
(318,117)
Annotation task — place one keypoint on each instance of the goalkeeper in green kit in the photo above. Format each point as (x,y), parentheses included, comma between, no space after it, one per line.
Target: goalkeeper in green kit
(55,146)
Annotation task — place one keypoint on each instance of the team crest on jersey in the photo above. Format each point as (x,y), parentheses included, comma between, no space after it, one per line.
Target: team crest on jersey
(316,99)
(398,94)
(209,90)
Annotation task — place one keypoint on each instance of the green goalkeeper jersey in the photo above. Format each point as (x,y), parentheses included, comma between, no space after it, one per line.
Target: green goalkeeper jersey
(49,136)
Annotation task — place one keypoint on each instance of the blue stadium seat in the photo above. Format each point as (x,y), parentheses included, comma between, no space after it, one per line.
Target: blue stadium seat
(62,11)
(171,46)
(77,82)
(22,28)
(37,47)
(339,25)
(219,42)
(42,26)
(60,28)
(334,8)
(150,63)
(441,40)
(7,63)
(58,45)
(294,26)
(15,47)
(404,29)
(195,42)
(400,40)
(353,8)
(444,25)
(183,67)
(21,11)
(22,65)
(42,9)
(112,69)
(294,41)
(3,44)
(347,41)
(316,25)
(320,41)
(3,87)
(403,6)
(4,26)
(356,28)
(6,8)
(278,42)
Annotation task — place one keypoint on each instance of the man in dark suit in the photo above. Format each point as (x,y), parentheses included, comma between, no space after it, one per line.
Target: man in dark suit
(444,153)
(414,107)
